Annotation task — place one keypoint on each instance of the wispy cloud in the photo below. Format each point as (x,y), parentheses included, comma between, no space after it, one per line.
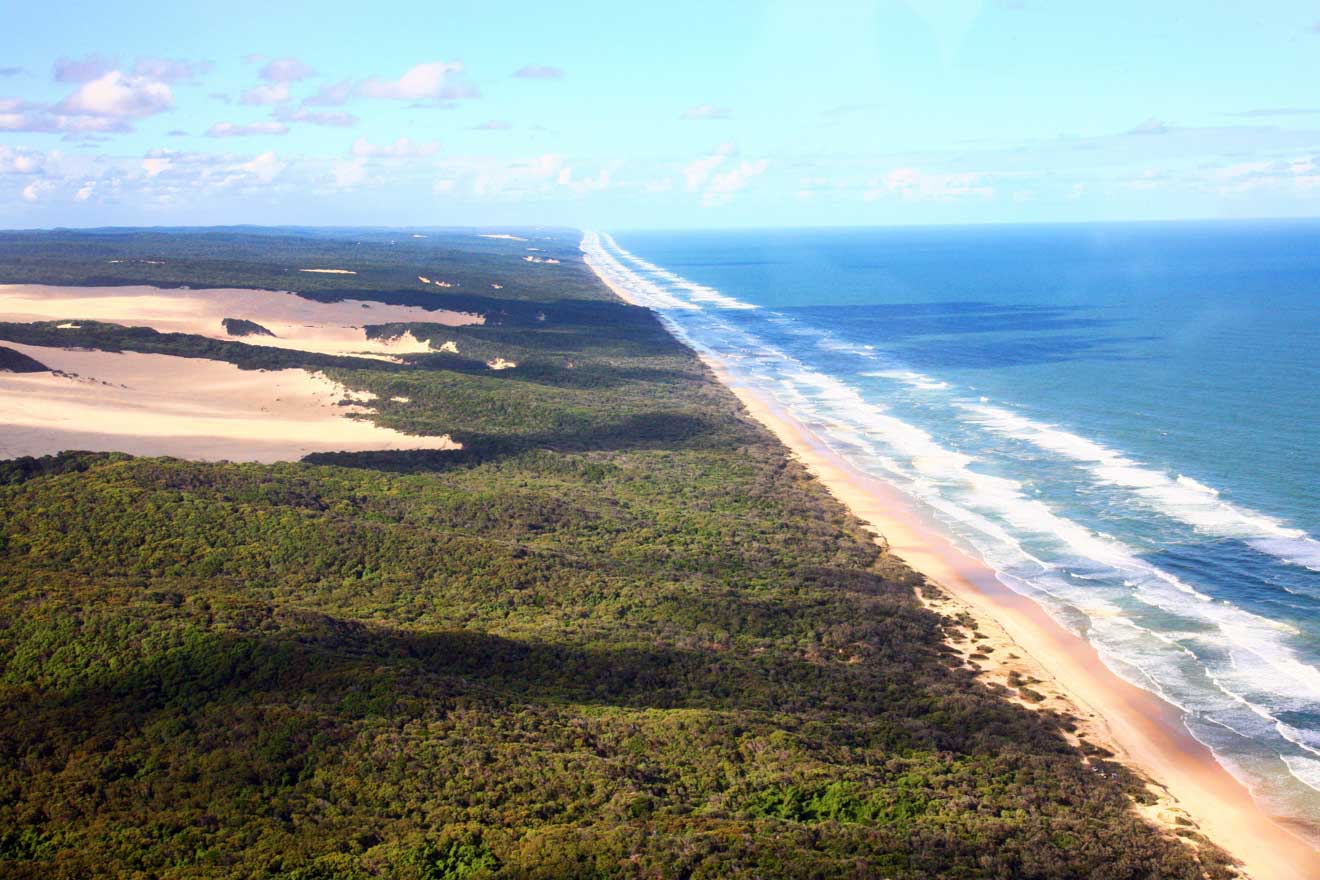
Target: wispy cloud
(1277,111)
(1150,125)
(234,129)
(285,70)
(77,70)
(433,82)
(707,111)
(697,171)
(331,95)
(539,71)
(493,125)
(724,184)
(18,160)
(10,71)
(716,180)
(171,70)
(272,93)
(302,114)
(915,184)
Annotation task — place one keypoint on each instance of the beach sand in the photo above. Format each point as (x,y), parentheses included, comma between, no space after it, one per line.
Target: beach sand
(156,404)
(297,322)
(1015,639)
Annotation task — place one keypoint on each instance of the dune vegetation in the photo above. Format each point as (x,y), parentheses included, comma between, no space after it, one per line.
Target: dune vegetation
(620,633)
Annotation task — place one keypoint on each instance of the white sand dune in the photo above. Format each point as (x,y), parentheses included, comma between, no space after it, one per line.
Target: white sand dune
(154,404)
(298,323)
(331,271)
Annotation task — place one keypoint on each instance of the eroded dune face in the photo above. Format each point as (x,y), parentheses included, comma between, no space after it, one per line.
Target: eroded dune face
(155,404)
(297,323)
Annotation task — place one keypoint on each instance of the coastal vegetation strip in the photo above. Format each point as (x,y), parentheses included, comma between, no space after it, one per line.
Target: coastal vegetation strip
(620,633)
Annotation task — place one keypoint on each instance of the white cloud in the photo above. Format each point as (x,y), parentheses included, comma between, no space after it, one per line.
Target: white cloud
(171,70)
(336,120)
(19,160)
(1297,176)
(1150,125)
(41,119)
(274,93)
(265,167)
(36,189)
(696,173)
(518,177)
(584,185)
(349,173)
(85,192)
(154,165)
(332,95)
(233,129)
(120,96)
(423,82)
(285,70)
(912,184)
(539,71)
(78,70)
(738,177)
(716,181)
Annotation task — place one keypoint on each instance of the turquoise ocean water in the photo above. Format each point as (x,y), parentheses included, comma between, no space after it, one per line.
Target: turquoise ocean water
(1123,421)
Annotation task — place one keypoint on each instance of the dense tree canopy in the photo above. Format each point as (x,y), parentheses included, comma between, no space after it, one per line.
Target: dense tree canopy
(620,634)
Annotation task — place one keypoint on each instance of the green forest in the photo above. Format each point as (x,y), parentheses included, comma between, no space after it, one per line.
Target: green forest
(620,634)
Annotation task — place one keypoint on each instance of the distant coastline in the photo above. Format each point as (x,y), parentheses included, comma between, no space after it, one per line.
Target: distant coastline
(1140,729)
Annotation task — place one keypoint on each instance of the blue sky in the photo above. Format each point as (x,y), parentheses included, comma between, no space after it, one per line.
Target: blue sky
(680,114)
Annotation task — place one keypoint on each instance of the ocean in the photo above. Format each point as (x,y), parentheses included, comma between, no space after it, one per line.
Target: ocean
(1122,420)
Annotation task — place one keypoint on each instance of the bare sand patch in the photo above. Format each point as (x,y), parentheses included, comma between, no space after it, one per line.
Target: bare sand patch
(1015,643)
(331,271)
(298,323)
(156,404)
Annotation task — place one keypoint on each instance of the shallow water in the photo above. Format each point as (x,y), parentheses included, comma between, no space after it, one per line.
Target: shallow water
(1122,420)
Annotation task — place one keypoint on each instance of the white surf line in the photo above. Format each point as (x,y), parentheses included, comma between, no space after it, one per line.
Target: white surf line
(1254,641)
(1180,498)
(699,292)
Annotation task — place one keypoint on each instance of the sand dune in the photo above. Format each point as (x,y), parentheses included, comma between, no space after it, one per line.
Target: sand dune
(298,323)
(153,404)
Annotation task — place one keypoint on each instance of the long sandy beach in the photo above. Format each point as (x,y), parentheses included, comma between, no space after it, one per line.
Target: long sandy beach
(1016,640)
(1142,730)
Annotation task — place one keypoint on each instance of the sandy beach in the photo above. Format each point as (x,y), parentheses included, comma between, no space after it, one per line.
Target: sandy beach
(1016,642)
(1025,643)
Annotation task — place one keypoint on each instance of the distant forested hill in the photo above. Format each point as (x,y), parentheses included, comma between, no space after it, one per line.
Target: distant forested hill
(619,634)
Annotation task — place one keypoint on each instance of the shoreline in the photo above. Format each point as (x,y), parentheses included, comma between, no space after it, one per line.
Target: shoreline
(1015,642)
(1145,733)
